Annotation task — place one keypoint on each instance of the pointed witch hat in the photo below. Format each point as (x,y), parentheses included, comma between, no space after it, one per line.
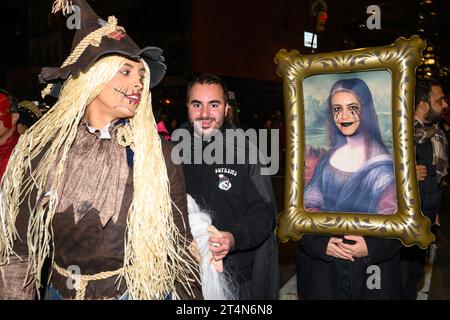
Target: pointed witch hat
(94,39)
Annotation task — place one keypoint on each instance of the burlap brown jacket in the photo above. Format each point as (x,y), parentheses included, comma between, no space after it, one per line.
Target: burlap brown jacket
(94,248)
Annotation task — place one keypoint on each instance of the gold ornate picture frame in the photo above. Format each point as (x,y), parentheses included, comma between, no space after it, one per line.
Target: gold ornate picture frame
(400,59)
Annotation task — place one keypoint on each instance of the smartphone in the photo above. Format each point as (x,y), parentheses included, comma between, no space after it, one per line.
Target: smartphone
(344,240)
(348,241)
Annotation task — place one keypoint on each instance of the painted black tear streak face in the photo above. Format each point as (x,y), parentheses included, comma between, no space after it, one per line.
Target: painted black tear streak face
(355,112)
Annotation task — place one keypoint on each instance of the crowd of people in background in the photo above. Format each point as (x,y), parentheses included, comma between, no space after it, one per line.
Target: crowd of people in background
(93,183)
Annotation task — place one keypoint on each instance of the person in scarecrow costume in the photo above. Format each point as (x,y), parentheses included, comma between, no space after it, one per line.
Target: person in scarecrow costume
(91,186)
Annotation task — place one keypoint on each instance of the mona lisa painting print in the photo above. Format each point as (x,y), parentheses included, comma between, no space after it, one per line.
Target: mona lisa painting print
(350,164)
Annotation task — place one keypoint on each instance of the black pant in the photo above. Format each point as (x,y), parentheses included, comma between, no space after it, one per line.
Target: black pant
(412,267)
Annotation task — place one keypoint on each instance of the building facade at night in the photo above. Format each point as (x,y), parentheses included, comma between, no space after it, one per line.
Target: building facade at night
(234,39)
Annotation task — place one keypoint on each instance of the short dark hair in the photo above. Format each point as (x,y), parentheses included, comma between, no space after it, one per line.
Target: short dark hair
(206,78)
(423,90)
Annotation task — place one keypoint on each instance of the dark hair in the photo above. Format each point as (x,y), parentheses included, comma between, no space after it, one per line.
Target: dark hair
(29,113)
(369,120)
(206,78)
(423,90)
(26,119)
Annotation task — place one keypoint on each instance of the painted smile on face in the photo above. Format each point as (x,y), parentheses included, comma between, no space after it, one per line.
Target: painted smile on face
(346,112)
(133,98)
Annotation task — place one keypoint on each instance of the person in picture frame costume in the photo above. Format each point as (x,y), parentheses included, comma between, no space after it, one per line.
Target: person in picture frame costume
(91,186)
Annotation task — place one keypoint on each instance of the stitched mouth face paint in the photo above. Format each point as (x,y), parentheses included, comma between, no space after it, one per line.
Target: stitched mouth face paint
(133,98)
(346,112)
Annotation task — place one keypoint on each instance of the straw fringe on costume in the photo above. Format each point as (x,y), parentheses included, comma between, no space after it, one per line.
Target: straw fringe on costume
(62,5)
(155,252)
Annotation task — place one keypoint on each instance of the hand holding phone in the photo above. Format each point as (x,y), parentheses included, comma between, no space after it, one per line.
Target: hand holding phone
(344,240)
